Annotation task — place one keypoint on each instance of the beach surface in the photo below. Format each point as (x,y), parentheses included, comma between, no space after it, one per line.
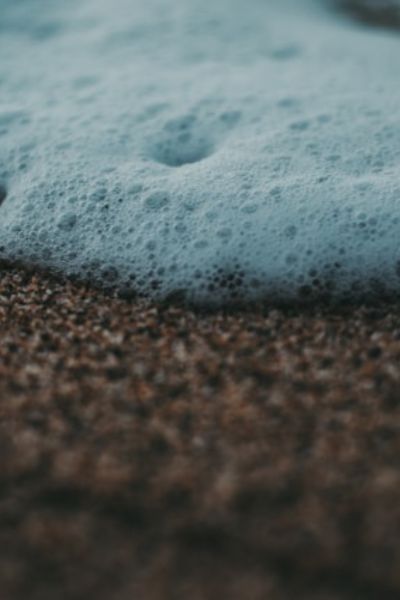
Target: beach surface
(157,453)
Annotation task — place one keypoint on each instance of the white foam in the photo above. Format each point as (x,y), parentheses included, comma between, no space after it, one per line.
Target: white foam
(221,149)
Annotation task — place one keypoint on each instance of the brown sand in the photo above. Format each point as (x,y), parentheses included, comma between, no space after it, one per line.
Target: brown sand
(154,454)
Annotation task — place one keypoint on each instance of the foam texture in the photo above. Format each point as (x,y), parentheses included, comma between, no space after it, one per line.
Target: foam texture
(217,150)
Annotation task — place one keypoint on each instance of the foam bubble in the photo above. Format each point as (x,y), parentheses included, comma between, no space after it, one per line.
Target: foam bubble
(218,151)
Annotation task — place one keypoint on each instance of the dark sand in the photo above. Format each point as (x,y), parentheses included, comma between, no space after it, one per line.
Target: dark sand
(154,454)
(378,13)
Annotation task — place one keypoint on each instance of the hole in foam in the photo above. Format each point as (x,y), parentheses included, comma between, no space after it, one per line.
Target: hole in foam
(182,141)
(181,150)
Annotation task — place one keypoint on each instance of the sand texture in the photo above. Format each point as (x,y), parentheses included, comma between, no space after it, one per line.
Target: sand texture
(158,454)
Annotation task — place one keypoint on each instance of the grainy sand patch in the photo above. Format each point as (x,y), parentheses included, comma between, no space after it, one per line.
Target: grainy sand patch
(153,453)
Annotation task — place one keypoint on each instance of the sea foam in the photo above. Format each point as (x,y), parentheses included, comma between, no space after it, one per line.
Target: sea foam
(220,150)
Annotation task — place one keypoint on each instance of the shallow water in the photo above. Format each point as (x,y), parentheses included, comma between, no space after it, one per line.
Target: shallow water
(223,150)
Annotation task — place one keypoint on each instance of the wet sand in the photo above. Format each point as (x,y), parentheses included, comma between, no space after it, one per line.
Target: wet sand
(154,453)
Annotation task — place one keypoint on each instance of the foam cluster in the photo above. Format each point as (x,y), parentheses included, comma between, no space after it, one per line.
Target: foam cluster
(218,151)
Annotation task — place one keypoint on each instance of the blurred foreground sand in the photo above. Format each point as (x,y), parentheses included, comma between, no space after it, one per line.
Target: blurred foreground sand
(153,453)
